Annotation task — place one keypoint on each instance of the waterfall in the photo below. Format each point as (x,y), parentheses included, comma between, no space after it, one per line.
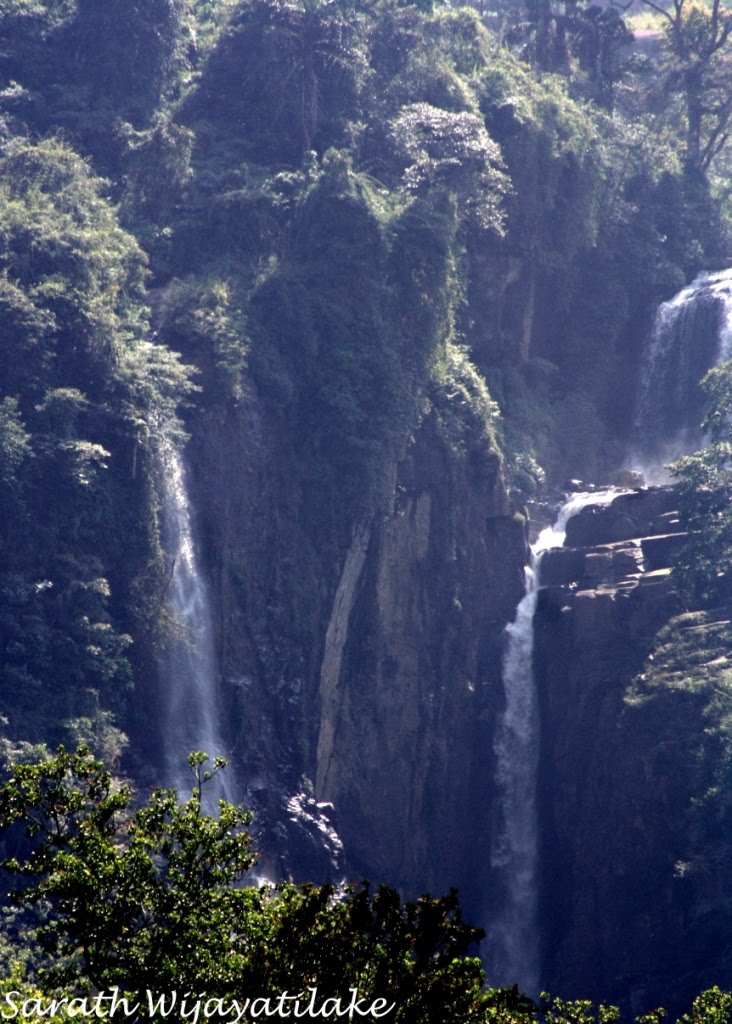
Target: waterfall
(513,934)
(691,333)
(513,955)
(188,667)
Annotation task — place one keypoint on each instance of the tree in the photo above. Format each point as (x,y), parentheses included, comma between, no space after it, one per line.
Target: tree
(132,893)
(567,34)
(699,66)
(87,65)
(600,37)
(284,77)
(704,568)
(79,381)
(152,899)
(454,150)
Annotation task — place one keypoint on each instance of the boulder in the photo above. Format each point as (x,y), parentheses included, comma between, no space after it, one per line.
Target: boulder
(632,514)
(646,504)
(560,566)
(608,563)
(627,559)
(598,524)
(598,568)
(660,552)
(669,522)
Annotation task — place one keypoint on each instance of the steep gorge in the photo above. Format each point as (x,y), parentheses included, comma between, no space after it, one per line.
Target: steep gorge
(379,686)
(407,316)
(634,693)
(370,705)
(364,543)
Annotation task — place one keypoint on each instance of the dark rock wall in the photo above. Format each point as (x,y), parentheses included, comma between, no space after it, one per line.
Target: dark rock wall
(407,712)
(361,669)
(612,914)
(365,661)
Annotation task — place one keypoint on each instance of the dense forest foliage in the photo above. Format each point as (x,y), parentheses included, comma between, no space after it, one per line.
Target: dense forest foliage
(370,215)
(146,914)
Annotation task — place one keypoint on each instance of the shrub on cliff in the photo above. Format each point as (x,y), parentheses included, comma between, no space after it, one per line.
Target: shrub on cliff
(704,568)
(78,382)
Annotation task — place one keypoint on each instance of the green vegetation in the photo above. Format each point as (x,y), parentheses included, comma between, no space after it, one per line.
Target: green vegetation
(704,568)
(147,900)
(687,679)
(80,384)
(698,67)
(223,118)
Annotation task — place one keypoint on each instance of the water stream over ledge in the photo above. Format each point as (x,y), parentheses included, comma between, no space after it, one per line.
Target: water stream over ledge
(513,943)
(691,333)
(188,667)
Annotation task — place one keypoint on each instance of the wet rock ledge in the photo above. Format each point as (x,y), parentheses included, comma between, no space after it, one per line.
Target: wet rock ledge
(614,552)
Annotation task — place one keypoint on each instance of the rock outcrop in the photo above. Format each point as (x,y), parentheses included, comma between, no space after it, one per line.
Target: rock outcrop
(607,828)
(407,716)
(367,662)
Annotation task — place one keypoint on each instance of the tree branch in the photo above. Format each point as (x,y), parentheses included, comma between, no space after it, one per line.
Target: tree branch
(660,10)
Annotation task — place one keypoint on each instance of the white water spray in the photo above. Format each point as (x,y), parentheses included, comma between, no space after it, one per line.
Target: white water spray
(188,669)
(514,955)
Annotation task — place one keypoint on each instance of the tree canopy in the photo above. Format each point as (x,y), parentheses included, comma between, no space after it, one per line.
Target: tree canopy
(157,898)
(153,900)
(698,65)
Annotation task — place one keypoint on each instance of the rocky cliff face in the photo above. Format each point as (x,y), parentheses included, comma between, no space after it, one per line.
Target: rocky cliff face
(596,620)
(628,740)
(362,678)
(366,660)
(408,688)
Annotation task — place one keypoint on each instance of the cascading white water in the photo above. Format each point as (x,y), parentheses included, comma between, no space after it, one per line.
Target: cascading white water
(513,934)
(188,668)
(691,333)
(513,955)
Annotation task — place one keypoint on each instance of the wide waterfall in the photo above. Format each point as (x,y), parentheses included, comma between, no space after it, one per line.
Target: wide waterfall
(188,669)
(691,333)
(513,954)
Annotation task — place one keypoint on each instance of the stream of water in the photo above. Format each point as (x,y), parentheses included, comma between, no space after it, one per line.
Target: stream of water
(188,667)
(514,953)
(691,333)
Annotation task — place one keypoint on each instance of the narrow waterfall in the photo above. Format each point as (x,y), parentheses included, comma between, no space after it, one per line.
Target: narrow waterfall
(514,955)
(691,333)
(513,934)
(188,667)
